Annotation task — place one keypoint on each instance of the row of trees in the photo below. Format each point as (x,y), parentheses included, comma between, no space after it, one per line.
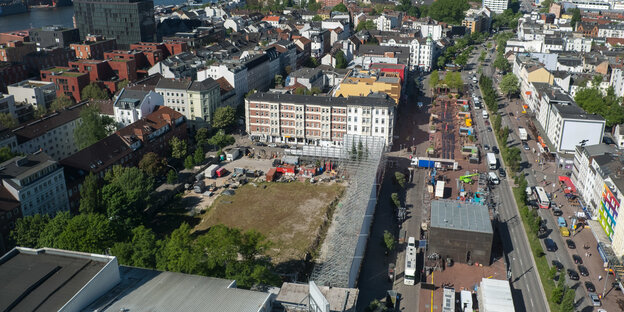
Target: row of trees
(459,53)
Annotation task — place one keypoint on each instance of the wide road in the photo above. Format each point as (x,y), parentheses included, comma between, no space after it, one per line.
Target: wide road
(527,289)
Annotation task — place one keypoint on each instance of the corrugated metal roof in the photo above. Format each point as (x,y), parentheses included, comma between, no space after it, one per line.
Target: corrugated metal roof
(460,216)
(496,296)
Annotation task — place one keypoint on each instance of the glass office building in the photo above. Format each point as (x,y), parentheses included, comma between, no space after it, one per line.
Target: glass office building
(128,21)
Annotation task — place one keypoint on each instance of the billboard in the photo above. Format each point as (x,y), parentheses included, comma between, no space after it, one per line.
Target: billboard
(573,132)
(318,302)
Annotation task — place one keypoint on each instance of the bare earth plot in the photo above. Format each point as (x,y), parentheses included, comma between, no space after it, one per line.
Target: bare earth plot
(290,215)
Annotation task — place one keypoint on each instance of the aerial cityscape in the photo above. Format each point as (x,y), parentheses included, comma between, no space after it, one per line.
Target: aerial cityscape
(302,155)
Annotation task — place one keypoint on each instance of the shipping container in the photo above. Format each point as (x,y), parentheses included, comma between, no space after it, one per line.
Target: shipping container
(211,171)
(270,176)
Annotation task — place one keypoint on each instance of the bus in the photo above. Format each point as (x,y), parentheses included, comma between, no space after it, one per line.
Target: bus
(541,197)
(410,262)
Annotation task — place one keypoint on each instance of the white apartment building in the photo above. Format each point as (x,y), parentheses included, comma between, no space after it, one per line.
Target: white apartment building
(585,177)
(570,126)
(317,120)
(196,100)
(421,50)
(132,105)
(386,22)
(496,6)
(33,92)
(430,30)
(37,182)
(235,74)
(52,134)
(617,81)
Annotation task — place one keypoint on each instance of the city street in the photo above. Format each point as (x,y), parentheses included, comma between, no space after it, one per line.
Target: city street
(527,289)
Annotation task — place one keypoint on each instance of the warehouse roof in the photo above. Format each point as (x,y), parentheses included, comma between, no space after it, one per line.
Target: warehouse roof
(461,216)
(496,295)
(151,291)
(340,299)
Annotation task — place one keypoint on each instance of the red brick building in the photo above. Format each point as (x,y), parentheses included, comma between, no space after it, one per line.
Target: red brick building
(93,47)
(68,81)
(11,73)
(20,35)
(14,51)
(125,147)
(175,47)
(107,73)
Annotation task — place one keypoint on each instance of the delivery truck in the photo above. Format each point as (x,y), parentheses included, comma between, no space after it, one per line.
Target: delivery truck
(491,159)
(524,136)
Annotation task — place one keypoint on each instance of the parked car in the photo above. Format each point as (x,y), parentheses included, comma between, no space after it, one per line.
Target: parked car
(489,129)
(550,245)
(594,299)
(495,149)
(557,265)
(260,144)
(573,275)
(557,212)
(570,244)
(501,172)
(486,147)
(525,146)
(590,287)
(583,270)
(577,259)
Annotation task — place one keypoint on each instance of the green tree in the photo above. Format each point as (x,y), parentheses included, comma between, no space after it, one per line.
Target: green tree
(172,177)
(360,151)
(314,6)
(93,91)
(61,102)
(188,162)
(341,60)
(340,7)
(395,199)
(400,179)
(6,154)
(221,139)
(545,6)
(126,196)
(153,165)
(501,63)
(567,303)
(92,128)
(141,251)
(7,120)
(389,240)
(178,254)
(122,84)
(576,16)
(90,195)
(201,137)
(53,229)
(224,117)
(367,24)
(40,111)
(448,11)
(312,62)
(509,85)
(552,273)
(434,79)
(199,156)
(28,229)
(482,56)
(220,245)
(87,233)
(178,148)
(556,295)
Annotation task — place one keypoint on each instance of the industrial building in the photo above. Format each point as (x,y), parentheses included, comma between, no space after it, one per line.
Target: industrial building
(59,280)
(461,231)
(494,296)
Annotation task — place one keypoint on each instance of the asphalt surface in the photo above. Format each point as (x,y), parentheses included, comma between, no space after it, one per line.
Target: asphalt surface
(527,289)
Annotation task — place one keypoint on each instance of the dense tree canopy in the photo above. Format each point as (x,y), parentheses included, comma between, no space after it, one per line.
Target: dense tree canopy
(179,148)
(448,11)
(608,106)
(28,229)
(7,120)
(153,165)
(93,127)
(6,153)
(224,117)
(509,85)
(221,139)
(93,91)
(367,24)
(341,60)
(340,7)
(61,102)
(126,195)
(91,195)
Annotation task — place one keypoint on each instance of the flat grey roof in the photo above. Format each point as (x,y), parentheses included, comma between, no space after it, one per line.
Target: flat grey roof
(143,290)
(44,280)
(574,112)
(456,215)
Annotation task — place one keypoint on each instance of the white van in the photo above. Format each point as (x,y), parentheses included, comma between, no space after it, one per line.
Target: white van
(493,178)
(411,242)
(485,114)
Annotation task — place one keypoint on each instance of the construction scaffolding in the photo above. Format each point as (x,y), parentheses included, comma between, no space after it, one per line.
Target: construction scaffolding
(342,252)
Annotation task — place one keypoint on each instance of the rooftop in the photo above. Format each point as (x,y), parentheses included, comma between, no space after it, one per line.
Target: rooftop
(461,216)
(305,72)
(321,100)
(496,295)
(572,111)
(340,299)
(47,123)
(45,279)
(143,290)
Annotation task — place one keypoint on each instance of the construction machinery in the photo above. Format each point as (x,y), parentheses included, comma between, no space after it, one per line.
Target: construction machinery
(468,178)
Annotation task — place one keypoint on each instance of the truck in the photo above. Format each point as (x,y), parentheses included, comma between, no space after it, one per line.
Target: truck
(491,159)
(493,178)
(211,171)
(524,136)
(439,190)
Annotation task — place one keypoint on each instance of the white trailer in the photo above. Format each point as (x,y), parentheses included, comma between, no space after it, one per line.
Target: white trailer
(524,136)
(211,171)
(491,159)
(439,191)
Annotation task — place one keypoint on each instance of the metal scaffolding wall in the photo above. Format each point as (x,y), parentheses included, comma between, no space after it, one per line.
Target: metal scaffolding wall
(342,252)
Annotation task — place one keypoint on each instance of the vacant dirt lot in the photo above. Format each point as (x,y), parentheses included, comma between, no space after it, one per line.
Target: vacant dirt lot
(289,214)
